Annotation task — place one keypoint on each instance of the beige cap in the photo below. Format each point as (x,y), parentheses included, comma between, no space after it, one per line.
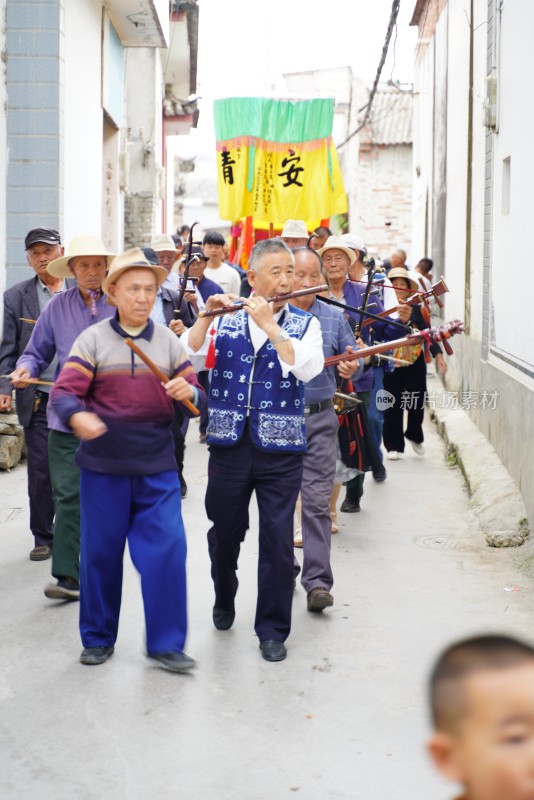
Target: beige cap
(79,246)
(131,259)
(163,243)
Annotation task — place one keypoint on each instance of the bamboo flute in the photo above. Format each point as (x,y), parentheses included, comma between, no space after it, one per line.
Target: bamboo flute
(279,298)
(158,373)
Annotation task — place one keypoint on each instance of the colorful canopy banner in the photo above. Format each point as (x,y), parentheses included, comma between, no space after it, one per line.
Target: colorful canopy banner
(276,160)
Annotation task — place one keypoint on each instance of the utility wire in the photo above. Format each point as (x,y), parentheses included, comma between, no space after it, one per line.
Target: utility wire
(392,24)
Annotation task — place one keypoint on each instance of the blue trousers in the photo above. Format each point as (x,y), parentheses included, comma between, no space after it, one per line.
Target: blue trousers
(233,474)
(145,510)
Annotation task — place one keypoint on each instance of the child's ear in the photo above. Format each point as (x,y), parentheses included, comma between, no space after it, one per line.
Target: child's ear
(443,749)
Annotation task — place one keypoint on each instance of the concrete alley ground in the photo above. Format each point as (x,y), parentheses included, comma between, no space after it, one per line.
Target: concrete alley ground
(343,718)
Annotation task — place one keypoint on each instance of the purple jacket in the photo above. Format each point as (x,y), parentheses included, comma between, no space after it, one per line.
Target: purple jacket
(353,294)
(60,324)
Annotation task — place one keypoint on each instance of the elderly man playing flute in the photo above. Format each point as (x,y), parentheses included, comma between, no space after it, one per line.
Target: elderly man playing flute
(129,487)
(265,352)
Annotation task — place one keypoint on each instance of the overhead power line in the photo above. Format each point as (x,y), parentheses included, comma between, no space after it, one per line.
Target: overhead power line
(392,24)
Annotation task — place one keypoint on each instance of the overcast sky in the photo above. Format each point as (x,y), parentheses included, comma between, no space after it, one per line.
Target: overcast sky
(245,46)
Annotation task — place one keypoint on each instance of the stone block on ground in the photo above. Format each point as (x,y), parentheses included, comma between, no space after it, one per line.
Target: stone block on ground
(11,441)
(10,451)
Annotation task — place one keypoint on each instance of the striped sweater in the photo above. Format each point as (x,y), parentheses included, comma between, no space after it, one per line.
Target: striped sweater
(104,376)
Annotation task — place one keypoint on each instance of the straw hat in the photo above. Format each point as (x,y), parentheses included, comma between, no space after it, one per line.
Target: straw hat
(129,260)
(79,246)
(337,243)
(163,243)
(295,229)
(400,272)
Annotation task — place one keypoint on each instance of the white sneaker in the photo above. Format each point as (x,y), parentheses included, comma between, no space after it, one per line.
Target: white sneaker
(418,448)
(297,539)
(393,455)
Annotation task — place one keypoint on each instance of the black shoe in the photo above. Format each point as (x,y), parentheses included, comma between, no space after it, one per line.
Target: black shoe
(223,618)
(349,506)
(183,488)
(96,655)
(272,650)
(64,589)
(175,662)
(380,475)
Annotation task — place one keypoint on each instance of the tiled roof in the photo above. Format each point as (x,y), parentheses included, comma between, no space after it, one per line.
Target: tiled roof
(391,118)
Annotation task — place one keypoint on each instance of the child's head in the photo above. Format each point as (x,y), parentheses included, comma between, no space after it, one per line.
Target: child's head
(482,705)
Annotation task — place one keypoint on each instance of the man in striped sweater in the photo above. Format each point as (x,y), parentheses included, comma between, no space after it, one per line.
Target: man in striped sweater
(129,487)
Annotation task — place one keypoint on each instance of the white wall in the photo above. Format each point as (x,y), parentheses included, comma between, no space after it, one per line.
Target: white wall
(478,170)
(3,159)
(422,149)
(457,144)
(82,119)
(513,330)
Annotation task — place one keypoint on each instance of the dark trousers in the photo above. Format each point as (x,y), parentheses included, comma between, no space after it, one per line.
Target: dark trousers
(408,386)
(39,486)
(354,487)
(376,414)
(204,380)
(65,477)
(233,474)
(144,510)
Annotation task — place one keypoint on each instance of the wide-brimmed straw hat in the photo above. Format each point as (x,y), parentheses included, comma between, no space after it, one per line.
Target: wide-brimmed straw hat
(131,259)
(400,272)
(79,246)
(163,243)
(337,243)
(295,229)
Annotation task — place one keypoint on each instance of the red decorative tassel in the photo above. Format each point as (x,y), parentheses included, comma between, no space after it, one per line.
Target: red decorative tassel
(211,358)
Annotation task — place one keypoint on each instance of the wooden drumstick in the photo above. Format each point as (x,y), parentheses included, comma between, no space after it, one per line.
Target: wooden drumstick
(32,380)
(158,373)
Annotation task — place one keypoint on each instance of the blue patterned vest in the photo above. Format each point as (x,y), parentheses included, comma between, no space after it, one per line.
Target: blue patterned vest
(244,382)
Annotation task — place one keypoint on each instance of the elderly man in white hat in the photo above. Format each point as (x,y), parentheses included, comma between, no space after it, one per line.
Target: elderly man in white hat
(295,233)
(164,247)
(358,273)
(337,261)
(129,485)
(60,322)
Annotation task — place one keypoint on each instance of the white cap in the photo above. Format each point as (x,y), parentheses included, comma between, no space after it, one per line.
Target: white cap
(295,229)
(353,241)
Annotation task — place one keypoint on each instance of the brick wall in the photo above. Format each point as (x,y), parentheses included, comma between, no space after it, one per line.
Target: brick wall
(33,124)
(381,204)
(139,219)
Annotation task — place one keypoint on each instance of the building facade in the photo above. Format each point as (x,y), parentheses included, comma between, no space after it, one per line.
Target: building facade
(83,135)
(473,163)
